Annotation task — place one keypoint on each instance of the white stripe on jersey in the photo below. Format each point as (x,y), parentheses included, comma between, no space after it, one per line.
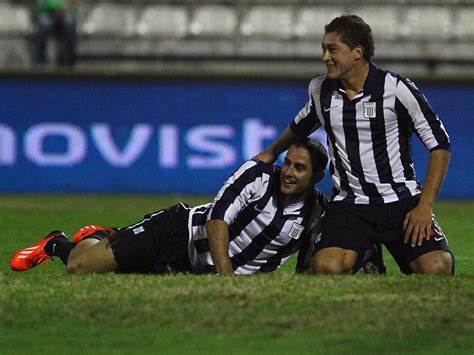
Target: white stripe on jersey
(248,194)
(414,109)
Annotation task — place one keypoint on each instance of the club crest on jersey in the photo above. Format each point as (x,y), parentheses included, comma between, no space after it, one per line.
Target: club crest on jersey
(295,231)
(369,110)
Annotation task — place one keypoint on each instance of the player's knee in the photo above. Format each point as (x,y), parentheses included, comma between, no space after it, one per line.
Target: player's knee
(434,263)
(330,268)
(331,261)
(76,266)
(77,262)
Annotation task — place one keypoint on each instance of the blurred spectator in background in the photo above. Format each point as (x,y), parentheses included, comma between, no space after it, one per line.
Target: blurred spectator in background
(58,18)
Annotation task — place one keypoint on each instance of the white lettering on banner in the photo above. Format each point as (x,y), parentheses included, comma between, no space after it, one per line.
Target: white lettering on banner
(168,149)
(75,139)
(254,133)
(211,146)
(7,146)
(200,138)
(139,137)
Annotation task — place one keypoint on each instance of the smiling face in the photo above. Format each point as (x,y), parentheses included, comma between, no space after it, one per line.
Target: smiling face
(341,61)
(296,175)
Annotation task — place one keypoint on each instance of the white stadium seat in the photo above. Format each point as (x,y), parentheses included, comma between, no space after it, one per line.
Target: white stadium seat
(214,20)
(108,19)
(310,21)
(268,21)
(14,19)
(464,23)
(427,23)
(384,21)
(163,21)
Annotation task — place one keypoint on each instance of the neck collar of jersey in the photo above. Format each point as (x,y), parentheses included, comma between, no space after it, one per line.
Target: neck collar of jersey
(370,84)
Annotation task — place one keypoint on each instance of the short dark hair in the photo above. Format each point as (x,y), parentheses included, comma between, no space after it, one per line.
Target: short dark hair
(317,152)
(354,31)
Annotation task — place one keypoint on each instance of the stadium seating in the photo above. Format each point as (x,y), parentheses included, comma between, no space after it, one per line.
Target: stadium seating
(419,33)
(310,21)
(464,23)
(15,25)
(384,21)
(14,19)
(267,21)
(427,23)
(109,19)
(214,21)
(163,21)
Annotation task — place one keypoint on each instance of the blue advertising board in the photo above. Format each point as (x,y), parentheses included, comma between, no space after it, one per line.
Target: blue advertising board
(163,136)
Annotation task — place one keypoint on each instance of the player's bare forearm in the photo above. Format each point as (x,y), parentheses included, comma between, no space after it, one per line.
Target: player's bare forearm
(437,169)
(417,222)
(282,143)
(218,234)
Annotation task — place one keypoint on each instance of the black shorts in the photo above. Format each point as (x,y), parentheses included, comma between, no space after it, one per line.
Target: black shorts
(157,244)
(357,227)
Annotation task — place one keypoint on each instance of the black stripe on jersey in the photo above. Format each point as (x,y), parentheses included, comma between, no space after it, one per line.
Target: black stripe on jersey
(234,190)
(250,212)
(259,242)
(353,151)
(431,118)
(303,242)
(270,265)
(379,141)
(199,217)
(325,99)
(405,128)
(274,262)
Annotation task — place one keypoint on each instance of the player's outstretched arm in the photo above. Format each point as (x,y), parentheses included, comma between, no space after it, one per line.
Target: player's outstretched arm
(218,234)
(282,143)
(417,222)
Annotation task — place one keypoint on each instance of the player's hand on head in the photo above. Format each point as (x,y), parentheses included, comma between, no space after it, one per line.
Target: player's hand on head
(266,157)
(417,225)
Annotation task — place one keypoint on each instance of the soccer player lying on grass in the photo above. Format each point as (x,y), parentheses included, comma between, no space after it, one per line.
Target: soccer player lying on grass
(262,215)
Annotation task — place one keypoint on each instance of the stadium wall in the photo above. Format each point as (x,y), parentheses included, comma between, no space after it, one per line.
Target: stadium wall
(102,135)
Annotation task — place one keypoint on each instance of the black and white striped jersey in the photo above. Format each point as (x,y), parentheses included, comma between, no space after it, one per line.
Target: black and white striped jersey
(369,136)
(263,234)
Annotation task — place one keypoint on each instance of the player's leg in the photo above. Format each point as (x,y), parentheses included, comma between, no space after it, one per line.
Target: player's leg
(438,262)
(333,260)
(57,244)
(92,256)
(156,244)
(433,257)
(343,241)
(54,243)
(438,258)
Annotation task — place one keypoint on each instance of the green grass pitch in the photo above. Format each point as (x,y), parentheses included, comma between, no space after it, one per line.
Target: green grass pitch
(47,311)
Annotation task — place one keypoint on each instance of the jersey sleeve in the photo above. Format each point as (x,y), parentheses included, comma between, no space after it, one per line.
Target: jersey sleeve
(245,185)
(307,120)
(413,106)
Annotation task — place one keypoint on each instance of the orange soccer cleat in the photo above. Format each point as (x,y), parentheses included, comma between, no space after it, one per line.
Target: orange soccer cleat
(28,258)
(87,231)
